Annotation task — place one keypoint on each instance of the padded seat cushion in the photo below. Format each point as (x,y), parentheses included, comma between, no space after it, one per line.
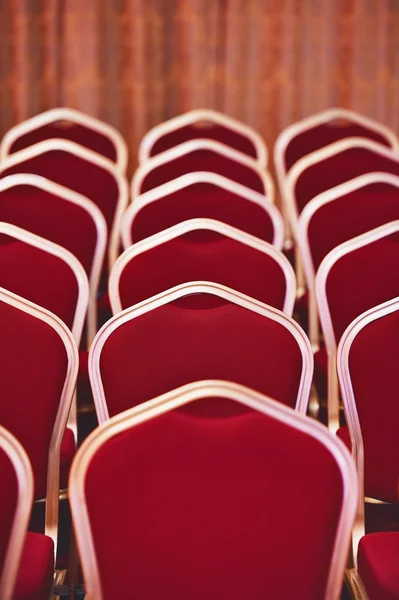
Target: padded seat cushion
(378,560)
(67,453)
(35,575)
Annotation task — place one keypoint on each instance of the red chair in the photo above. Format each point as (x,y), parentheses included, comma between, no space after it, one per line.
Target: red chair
(80,170)
(202,250)
(208,124)
(60,216)
(38,369)
(68,124)
(201,155)
(205,195)
(198,331)
(206,510)
(352,278)
(367,370)
(336,216)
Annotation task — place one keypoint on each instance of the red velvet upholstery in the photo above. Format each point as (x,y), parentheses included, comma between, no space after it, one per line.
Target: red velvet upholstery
(374,372)
(362,279)
(33,365)
(179,343)
(38,276)
(203,256)
(351,215)
(77,174)
(67,453)
(341,167)
(8,502)
(203,160)
(211,132)
(344,436)
(378,559)
(203,200)
(53,218)
(35,576)
(206,510)
(324,134)
(67,130)
(320,371)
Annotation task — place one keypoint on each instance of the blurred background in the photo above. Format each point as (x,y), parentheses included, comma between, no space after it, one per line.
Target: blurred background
(135,63)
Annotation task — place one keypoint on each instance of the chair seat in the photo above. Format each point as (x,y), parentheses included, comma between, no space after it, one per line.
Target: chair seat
(378,560)
(35,575)
(343,434)
(320,372)
(67,453)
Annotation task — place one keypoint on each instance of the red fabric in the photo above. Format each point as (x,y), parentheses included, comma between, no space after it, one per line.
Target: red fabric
(29,348)
(104,311)
(8,502)
(341,167)
(84,394)
(203,160)
(207,510)
(203,200)
(320,372)
(53,218)
(35,576)
(68,131)
(374,372)
(363,209)
(38,276)
(362,279)
(378,560)
(211,132)
(324,134)
(77,174)
(67,454)
(203,256)
(178,343)
(344,436)
(301,309)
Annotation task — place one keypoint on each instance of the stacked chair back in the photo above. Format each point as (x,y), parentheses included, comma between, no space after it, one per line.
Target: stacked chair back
(81,170)
(210,514)
(339,214)
(202,195)
(206,124)
(202,250)
(68,124)
(198,331)
(201,155)
(354,277)
(63,217)
(39,362)
(16,484)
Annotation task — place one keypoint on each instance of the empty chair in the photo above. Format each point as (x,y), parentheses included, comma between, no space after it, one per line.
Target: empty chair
(38,369)
(367,370)
(80,170)
(209,512)
(198,331)
(205,195)
(352,278)
(68,124)
(338,215)
(202,250)
(205,124)
(201,155)
(59,215)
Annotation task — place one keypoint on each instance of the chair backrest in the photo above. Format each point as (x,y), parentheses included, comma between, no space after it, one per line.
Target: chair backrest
(81,170)
(202,250)
(195,331)
(324,128)
(209,513)
(44,273)
(38,370)
(368,374)
(204,195)
(201,155)
(62,216)
(68,124)
(339,162)
(16,484)
(354,277)
(203,123)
